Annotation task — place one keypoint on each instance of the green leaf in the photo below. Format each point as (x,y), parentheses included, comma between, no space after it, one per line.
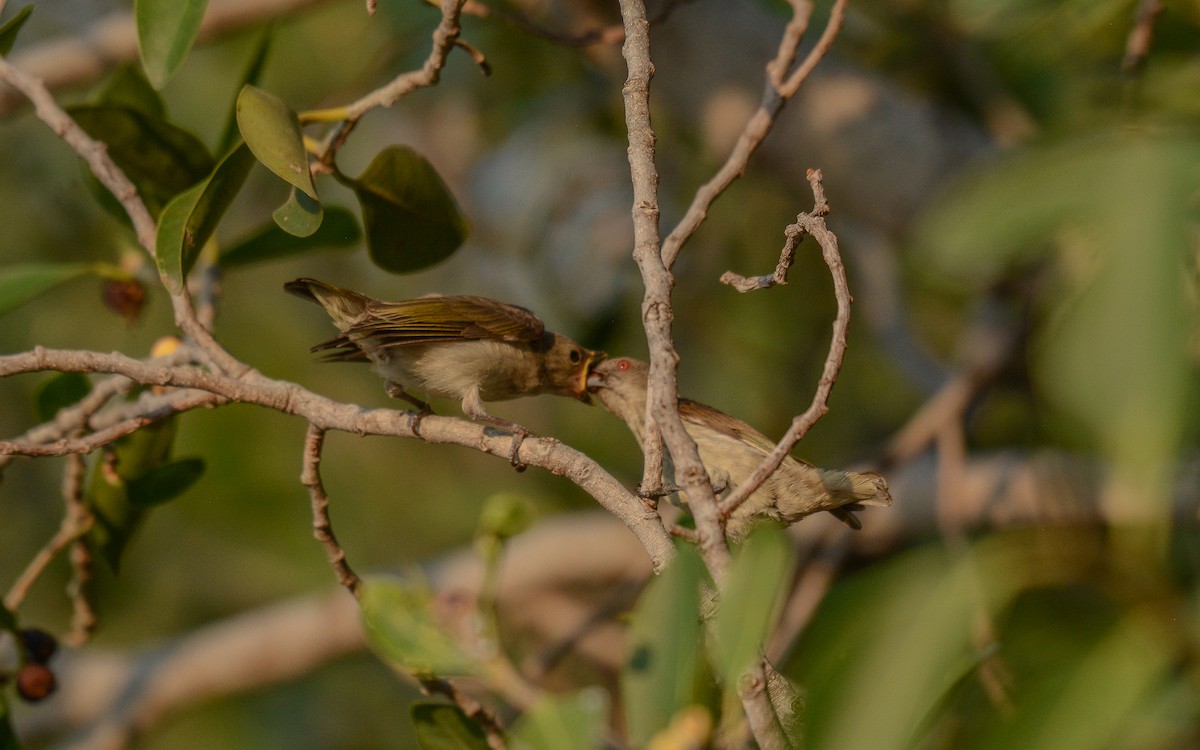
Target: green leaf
(190,219)
(272,131)
(128,87)
(163,483)
(116,517)
(60,390)
(759,576)
(664,648)
(160,159)
(21,283)
(11,27)
(1104,693)
(339,229)
(230,134)
(412,220)
(166,30)
(441,726)
(299,215)
(1111,355)
(578,721)
(401,629)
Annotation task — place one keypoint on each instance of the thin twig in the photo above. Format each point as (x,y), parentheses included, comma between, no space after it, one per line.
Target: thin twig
(814,226)
(445,38)
(778,92)
(310,477)
(84,617)
(795,234)
(91,150)
(87,444)
(73,526)
(486,720)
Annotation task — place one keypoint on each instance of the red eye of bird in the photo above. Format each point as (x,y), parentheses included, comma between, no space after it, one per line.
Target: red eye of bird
(623,364)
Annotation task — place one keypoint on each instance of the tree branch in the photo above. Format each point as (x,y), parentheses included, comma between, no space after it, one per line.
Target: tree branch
(254,388)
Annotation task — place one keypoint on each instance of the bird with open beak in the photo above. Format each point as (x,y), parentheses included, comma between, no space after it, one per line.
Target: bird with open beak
(473,349)
(731,450)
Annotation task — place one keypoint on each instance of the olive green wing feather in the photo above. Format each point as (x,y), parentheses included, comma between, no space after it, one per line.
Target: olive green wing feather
(430,320)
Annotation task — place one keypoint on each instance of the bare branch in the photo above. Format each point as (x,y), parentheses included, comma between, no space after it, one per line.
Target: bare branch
(657,315)
(254,388)
(815,226)
(795,235)
(777,94)
(310,477)
(92,151)
(445,38)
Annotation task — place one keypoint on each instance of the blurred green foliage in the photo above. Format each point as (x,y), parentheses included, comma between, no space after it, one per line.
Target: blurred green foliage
(1035,639)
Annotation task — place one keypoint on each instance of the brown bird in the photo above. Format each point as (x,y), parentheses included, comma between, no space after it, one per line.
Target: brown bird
(731,450)
(473,349)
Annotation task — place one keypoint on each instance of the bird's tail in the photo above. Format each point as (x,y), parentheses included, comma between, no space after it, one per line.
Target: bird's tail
(343,305)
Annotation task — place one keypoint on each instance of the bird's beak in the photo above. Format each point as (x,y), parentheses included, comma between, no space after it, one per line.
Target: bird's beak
(586,375)
(595,380)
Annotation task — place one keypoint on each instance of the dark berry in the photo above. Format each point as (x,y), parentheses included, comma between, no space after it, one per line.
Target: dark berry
(39,645)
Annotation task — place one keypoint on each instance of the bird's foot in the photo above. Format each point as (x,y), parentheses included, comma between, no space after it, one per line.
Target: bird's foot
(395,390)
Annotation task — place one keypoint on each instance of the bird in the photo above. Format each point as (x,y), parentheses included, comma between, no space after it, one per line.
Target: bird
(731,450)
(469,348)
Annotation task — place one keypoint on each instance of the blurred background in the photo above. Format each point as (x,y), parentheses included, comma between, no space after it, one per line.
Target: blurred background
(1014,188)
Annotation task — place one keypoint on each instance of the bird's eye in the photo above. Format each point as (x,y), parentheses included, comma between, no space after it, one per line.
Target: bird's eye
(623,365)
(576,356)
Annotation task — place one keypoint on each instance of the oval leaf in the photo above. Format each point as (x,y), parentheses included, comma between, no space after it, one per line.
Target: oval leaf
(190,219)
(401,629)
(441,726)
(230,135)
(299,215)
(11,27)
(660,673)
(160,159)
(165,482)
(21,283)
(166,30)
(412,220)
(338,229)
(758,577)
(272,131)
(60,390)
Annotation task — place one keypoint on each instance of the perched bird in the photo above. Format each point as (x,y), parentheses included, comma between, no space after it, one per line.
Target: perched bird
(731,450)
(470,348)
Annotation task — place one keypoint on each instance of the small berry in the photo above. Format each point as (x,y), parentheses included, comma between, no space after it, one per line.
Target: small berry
(39,645)
(35,682)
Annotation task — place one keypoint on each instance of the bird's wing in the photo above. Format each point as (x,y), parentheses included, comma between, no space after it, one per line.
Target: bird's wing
(715,419)
(430,320)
